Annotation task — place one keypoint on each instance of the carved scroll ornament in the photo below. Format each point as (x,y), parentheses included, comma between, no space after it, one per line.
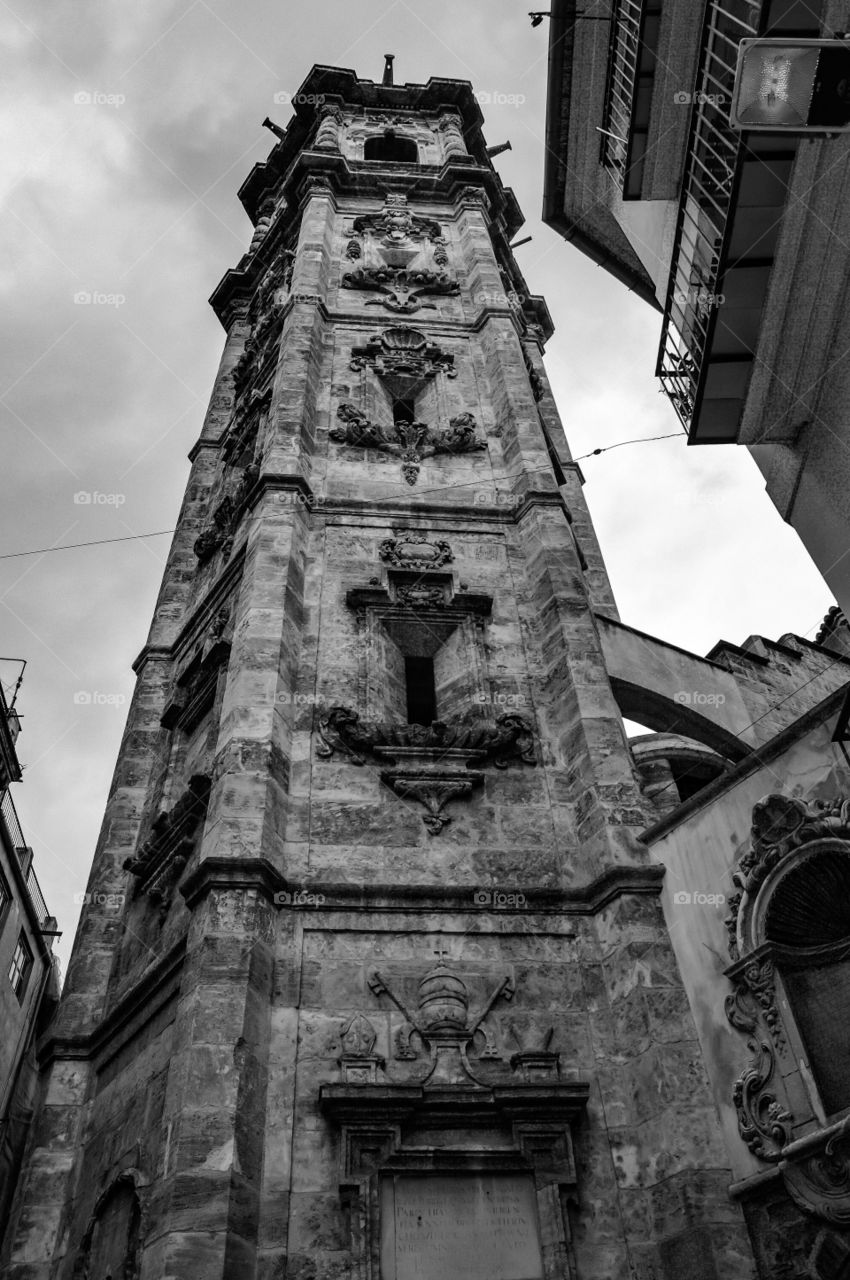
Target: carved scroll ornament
(507,738)
(410,441)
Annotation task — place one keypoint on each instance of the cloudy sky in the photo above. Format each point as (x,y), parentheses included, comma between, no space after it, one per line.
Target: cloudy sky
(127,131)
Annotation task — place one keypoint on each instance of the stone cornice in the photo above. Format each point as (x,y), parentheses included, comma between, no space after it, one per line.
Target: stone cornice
(232,873)
(260,874)
(392,1103)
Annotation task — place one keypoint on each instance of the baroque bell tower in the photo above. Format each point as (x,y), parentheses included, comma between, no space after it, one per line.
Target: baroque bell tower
(389,993)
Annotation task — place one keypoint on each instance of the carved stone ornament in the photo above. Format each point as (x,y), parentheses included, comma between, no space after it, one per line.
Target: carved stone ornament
(430,764)
(507,738)
(412,550)
(493,1120)
(403,288)
(220,532)
(400,255)
(790,906)
(410,441)
(780,825)
(404,359)
(160,861)
(396,224)
(359,1063)
(417,595)
(442,1023)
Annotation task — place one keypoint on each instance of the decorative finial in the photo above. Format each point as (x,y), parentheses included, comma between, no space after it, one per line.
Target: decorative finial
(388,68)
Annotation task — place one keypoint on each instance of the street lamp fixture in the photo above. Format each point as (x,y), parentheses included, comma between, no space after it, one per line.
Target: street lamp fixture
(792,86)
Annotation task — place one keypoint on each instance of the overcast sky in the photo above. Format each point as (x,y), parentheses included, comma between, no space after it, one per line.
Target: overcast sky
(127,132)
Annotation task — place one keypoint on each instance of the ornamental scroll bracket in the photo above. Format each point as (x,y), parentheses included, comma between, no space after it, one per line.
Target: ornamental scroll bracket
(430,764)
(403,359)
(410,441)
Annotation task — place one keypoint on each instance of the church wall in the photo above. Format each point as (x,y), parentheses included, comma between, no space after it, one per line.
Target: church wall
(700,852)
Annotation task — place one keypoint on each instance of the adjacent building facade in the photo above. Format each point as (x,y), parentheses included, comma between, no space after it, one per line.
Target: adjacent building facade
(740,241)
(29,986)
(399,960)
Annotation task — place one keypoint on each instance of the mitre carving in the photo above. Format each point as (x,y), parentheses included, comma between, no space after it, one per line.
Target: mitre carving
(410,441)
(442,1023)
(359,1062)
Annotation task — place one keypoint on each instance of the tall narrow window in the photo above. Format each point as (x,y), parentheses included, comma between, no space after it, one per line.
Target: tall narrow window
(5,899)
(421,693)
(404,411)
(808,920)
(19,969)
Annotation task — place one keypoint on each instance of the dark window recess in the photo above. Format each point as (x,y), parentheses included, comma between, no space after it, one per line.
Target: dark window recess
(820,999)
(690,777)
(5,899)
(642,101)
(19,969)
(391,149)
(404,411)
(421,692)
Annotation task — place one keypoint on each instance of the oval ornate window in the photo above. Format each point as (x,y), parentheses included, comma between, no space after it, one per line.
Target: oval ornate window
(807,920)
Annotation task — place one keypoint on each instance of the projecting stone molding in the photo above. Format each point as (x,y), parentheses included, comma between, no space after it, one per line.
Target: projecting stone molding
(430,764)
(160,861)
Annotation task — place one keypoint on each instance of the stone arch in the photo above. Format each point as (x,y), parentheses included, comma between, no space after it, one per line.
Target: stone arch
(109,1249)
(664,714)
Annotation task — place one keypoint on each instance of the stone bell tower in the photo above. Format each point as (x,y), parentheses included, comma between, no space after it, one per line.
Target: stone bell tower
(382,989)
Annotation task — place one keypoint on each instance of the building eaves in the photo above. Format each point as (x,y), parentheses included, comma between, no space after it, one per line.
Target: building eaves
(592,229)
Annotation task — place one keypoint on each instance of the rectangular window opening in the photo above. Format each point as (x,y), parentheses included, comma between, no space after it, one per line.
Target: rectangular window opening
(19,969)
(404,411)
(421,690)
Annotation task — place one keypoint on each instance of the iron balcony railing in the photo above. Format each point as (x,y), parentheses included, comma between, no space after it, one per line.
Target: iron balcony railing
(20,851)
(713,157)
(632,54)
(619,94)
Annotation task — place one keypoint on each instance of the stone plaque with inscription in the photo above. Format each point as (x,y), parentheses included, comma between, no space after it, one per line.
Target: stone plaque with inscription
(469,1227)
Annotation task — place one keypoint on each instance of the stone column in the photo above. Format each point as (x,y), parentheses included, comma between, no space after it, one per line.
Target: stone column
(449,127)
